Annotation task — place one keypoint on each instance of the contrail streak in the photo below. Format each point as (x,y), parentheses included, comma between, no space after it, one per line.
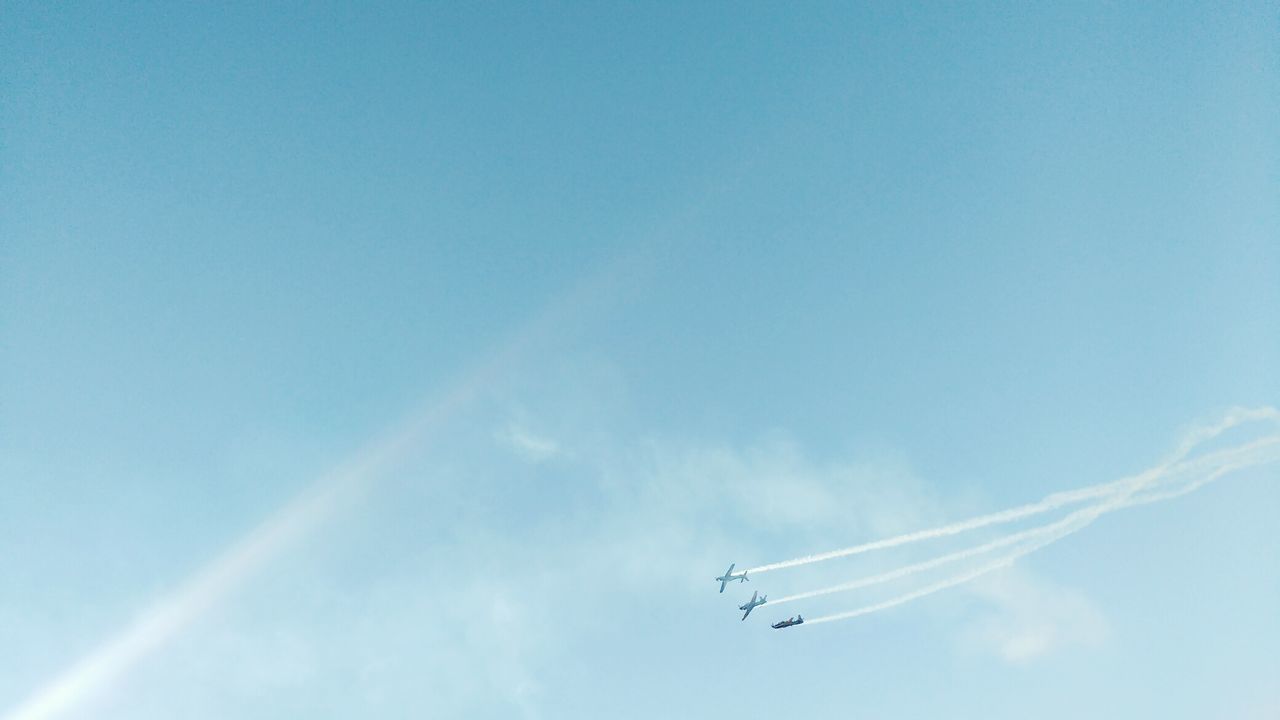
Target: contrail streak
(1052,533)
(1263,451)
(1051,502)
(1239,455)
(918,567)
(914,595)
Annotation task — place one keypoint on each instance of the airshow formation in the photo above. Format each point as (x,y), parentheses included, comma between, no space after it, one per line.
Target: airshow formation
(1199,459)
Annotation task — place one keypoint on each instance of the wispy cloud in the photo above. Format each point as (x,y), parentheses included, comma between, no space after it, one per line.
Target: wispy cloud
(1031,617)
(528,444)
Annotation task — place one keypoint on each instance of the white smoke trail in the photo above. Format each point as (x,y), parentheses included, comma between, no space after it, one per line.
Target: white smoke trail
(1265,450)
(1054,532)
(1260,451)
(914,595)
(919,567)
(1051,502)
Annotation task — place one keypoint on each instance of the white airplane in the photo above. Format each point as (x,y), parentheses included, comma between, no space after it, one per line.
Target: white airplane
(752,604)
(729,577)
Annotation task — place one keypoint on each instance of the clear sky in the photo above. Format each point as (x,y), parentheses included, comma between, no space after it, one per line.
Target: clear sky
(656,288)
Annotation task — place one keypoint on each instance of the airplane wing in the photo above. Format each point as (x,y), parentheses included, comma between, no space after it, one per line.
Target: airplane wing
(748,612)
(727,577)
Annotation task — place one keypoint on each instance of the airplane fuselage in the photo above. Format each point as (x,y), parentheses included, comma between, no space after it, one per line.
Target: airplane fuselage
(729,576)
(752,604)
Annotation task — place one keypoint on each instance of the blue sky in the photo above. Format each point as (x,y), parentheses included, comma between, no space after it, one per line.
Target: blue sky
(676,286)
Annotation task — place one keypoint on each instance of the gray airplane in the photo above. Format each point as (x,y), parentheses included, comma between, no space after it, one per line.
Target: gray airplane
(729,577)
(752,604)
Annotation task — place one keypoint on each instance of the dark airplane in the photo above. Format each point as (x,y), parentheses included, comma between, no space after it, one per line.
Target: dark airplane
(797,620)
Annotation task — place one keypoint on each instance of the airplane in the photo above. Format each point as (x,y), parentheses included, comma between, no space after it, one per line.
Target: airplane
(729,577)
(797,620)
(752,604)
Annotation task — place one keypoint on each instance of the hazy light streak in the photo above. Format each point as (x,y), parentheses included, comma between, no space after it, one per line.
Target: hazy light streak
(161,622)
